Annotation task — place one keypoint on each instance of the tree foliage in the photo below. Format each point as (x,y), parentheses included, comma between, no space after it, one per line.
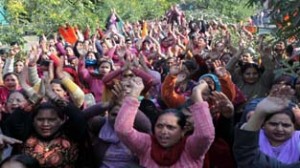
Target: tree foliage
(285,14)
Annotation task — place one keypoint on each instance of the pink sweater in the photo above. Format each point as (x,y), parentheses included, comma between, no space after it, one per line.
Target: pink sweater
(140,143)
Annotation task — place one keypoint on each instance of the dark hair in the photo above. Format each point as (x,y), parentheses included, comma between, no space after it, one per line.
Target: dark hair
(192,66)
(286,79)
(14,43)
(76,52)
(25,160)
(286,111)
(181,117)
(51,106)
(8,74)
(18,61)
(247,65)
(58,81)
(22,92)
(106,61)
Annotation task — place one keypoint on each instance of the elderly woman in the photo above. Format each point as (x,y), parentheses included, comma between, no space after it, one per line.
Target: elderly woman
(168,146)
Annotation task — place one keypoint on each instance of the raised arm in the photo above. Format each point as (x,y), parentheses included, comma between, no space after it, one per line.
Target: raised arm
(204,133)
(246,146)
(75,92)
(136,141)
(168,92)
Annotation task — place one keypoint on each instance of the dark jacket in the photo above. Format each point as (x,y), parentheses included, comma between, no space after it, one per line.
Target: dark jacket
(247,153)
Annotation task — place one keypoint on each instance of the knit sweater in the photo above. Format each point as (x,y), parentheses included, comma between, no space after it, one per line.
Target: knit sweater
(140,143)
(95,84)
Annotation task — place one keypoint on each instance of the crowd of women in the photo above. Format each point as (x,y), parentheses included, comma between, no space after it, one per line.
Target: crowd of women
(160,93)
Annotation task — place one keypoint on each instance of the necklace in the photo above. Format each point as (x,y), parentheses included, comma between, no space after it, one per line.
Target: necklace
(46,146)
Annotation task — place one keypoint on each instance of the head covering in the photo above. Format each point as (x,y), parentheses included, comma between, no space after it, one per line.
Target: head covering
(250,107)
(215,79)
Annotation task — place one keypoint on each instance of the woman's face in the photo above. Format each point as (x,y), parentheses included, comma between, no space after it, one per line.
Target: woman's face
(247,58)
(14,101)
(250,75)
(69,51)
(104,68)
(128,74)
(19,66)
(47,122)
(168,42)
(13,164)
(220,47)
(225,58)
(91,56)
(279,128)
(167,131)
(58,90)
(11,82)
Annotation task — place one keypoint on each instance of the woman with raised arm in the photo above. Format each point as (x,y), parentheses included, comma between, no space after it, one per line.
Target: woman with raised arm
(270,112)
(168,146)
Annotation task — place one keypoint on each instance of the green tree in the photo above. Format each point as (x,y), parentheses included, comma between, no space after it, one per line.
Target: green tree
(285,14)
(44,16)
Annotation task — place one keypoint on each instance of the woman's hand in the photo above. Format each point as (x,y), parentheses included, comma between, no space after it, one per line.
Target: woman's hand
(59,69)
(221,104)
(199,90)
(133,87)
(33,56)
(5,140)
(219,68)
(278,99)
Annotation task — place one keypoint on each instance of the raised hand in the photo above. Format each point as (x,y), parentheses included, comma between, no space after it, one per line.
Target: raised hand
(118,91)
(219,68)
(5,140)
(136,86)
(59,69)
(221,104)
(121,51)
(33,55)
(198,90)
(278,99)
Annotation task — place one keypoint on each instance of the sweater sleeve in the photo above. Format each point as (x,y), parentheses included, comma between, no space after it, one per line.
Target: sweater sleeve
(60,48)
(204,133)
(136,141)
(148,80)
(107,79)
(9,65)
(228,87)
(168,93)
(83,72)
(33,76)
(74,91)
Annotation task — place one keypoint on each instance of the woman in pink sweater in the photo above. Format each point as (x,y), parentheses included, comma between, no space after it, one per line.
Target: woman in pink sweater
(168,146)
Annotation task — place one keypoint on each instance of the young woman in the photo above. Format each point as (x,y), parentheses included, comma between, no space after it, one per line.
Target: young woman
(168,146)
(253,80)
(53,134)
(10,83)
